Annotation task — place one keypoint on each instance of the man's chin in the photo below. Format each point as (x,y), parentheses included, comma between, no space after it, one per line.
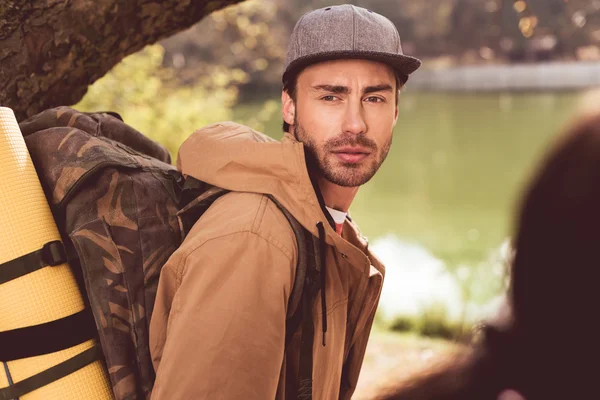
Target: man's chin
(347,176)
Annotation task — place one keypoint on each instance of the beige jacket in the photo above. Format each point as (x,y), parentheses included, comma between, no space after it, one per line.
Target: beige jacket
(218,326)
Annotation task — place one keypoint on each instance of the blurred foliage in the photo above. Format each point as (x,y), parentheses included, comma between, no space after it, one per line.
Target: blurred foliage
(253,35)
(246,36)
(432,322)
(403,323)
(145,94)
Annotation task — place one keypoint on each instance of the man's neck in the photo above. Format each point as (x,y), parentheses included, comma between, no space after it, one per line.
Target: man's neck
(335,196)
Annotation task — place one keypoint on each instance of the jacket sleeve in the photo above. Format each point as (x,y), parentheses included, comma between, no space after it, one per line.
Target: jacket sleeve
(225,333)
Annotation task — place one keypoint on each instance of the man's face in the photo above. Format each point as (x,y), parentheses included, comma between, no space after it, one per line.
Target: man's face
(344,114)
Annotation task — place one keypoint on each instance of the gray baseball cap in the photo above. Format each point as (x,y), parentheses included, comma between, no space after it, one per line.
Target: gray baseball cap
(346,32)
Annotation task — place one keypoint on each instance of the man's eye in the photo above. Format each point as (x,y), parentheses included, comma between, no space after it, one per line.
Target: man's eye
(375,99)
(329,98)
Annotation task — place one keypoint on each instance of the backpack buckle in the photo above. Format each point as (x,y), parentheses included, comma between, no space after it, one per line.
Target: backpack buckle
(53,253)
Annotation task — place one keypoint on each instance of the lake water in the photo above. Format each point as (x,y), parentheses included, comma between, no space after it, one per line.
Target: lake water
(440,210)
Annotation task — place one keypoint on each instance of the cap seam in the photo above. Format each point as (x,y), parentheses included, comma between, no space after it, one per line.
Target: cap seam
(353,27)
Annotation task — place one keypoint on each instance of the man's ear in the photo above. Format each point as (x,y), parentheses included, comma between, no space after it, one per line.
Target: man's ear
(288,109)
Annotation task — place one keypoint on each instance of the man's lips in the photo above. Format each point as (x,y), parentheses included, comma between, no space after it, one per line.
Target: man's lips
(351,155)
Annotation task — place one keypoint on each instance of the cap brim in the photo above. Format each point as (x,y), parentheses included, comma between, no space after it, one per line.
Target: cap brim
(403,65)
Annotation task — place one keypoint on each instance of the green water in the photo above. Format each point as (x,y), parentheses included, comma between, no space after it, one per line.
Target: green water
(458,164)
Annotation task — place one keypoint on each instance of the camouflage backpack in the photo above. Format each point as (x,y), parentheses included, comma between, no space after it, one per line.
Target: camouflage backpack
(122,209)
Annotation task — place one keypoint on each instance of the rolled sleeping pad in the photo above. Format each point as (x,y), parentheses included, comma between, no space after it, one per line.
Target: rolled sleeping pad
(40,303)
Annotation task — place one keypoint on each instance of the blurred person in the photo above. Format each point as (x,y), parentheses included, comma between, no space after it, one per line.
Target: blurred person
(548,344)
(219,325)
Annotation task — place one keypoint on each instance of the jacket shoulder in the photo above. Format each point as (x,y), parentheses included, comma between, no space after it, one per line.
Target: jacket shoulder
(237,212)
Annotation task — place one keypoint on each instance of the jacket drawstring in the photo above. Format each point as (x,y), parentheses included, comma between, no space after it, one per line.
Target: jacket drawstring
(323,272)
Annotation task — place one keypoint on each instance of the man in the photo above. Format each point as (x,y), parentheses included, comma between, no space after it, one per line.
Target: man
(219,325)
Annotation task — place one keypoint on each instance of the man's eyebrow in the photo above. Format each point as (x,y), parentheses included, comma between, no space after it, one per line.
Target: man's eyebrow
(384,87)
(332,88)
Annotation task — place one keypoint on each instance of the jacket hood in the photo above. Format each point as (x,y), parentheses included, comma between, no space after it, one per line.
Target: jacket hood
(238,158)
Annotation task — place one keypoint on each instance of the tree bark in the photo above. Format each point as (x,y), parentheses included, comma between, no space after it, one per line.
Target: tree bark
(51,50)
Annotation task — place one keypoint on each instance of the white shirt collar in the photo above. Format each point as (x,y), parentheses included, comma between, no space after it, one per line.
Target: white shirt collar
(338,216)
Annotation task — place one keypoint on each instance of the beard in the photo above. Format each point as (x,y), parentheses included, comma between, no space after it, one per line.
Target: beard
(322,160)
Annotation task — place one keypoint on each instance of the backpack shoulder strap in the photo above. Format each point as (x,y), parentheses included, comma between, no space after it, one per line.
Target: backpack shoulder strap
(301,299)
(306,259)
(197,197)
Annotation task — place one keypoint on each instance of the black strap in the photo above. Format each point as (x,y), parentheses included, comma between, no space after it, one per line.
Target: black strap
(311,289)
(321,267)
(306,262)
(192,205)
(306,345)
(51,374)
(306,287)
(192,210)
(305,257)
(48,337)
(191,189)
(52,254)
(305,282)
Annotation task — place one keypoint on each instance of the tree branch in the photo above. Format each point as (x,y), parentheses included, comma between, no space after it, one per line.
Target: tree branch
(51,50)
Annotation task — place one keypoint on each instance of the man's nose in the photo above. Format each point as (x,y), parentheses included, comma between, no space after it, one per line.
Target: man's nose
(354,120)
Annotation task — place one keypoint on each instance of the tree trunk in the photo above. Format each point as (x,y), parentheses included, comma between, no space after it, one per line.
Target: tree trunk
(51,50)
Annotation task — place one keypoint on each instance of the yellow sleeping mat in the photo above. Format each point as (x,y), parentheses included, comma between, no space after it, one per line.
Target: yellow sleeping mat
(49,293)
